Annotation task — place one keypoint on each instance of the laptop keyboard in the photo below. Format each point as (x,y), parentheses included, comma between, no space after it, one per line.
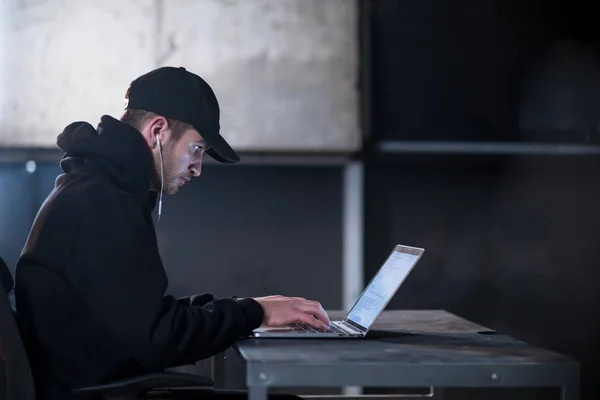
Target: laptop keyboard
(305,328)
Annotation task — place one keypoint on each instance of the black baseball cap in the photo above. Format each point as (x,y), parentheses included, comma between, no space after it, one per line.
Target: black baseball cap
(181,95)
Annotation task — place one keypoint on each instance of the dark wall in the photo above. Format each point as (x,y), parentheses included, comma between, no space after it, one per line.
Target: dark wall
(449,69)
(455,70)
(16,205)
(253,231)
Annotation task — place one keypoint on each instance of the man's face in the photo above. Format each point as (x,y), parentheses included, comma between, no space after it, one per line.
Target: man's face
(181,158)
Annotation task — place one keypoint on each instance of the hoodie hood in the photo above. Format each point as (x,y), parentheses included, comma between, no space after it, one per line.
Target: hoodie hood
(114,146)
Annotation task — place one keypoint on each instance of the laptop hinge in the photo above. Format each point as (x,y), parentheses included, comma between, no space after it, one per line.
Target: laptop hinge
(354,326)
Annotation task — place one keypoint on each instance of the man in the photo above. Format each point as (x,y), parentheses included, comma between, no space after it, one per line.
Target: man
(90,284)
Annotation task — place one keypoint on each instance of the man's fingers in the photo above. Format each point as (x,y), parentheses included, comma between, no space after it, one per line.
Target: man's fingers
(323,315)
(312,321)
(314,308)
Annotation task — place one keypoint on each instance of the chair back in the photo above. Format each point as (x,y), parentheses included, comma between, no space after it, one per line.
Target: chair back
(16,379)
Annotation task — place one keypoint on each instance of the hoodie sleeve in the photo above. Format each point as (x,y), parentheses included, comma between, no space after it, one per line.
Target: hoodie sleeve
(196,300)
(117,270)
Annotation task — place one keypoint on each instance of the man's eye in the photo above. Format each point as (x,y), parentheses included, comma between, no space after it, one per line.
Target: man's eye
(196,149)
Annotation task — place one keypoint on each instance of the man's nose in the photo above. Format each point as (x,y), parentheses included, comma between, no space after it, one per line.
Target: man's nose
(196,169)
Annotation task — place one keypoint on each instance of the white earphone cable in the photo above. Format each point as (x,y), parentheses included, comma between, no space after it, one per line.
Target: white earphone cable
(162,182)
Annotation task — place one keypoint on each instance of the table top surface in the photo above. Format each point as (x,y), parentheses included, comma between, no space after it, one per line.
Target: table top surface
(419,337)
(433,321)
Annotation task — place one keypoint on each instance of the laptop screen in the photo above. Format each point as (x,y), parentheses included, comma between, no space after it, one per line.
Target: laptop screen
(383,286)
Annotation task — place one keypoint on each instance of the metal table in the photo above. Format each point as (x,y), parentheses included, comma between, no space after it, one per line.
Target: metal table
(429,348)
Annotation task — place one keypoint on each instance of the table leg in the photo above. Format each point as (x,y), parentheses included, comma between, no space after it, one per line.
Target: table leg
(570,392)
(218,370)
(257,392)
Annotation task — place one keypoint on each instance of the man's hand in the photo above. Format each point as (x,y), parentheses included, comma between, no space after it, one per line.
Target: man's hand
(280,311)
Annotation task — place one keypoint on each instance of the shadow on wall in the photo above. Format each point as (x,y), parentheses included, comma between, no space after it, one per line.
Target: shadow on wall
(560,93)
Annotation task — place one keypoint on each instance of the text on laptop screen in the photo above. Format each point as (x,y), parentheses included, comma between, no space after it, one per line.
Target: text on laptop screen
(382,288)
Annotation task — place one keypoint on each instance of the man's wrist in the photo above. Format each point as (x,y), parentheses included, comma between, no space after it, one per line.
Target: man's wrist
(253,310)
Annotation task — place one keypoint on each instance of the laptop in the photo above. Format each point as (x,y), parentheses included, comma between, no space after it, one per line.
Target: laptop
(366,309)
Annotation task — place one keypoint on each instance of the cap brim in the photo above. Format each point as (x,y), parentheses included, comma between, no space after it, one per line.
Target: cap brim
(221,151)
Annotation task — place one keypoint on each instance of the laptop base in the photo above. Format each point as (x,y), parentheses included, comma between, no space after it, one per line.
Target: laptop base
(293,332)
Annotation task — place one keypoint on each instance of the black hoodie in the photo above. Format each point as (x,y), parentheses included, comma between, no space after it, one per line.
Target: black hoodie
(90,284)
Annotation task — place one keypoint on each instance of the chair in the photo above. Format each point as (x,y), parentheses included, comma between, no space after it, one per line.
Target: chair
(16,379)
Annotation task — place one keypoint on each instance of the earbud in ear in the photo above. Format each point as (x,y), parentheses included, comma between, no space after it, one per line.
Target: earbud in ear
(158,143)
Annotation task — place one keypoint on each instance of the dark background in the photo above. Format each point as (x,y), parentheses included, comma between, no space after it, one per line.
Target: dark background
(511,235)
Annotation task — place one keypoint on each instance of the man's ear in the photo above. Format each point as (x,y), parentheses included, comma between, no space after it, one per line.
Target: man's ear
(156,129)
